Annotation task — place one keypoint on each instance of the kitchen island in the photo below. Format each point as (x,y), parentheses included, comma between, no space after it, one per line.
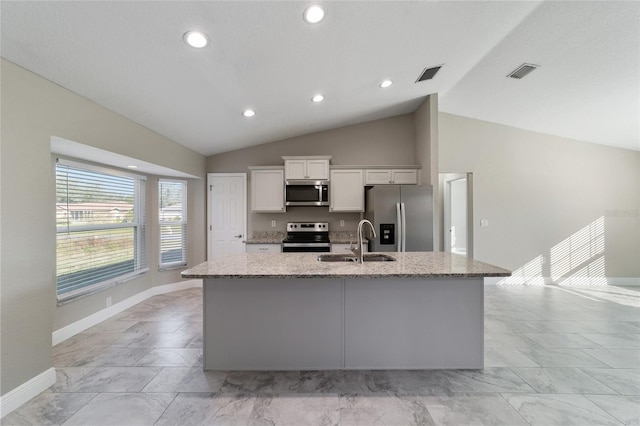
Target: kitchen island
(288,311)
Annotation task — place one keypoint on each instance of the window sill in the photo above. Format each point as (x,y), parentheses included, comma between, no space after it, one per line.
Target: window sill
(170,267)
(97,288)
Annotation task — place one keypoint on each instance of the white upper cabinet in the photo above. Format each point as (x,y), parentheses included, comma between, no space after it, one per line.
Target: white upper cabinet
(311,168)
(318,169)
(267,190)
(346,191)
(391,176)
(404,176)
(295,169)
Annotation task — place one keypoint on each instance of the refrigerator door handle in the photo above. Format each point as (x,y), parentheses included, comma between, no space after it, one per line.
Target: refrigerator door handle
(399,226)
(404,227)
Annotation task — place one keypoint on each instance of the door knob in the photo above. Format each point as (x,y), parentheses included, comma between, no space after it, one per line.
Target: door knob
(239,236)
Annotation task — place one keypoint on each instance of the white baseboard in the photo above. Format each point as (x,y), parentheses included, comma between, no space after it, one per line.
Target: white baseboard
(624,281)
(71,330)
(23,393)
(532,281)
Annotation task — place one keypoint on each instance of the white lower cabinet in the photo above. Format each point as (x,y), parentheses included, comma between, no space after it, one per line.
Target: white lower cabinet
(346,191)
(264,248)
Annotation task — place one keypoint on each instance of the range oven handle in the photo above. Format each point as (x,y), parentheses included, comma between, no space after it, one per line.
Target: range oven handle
(306,244)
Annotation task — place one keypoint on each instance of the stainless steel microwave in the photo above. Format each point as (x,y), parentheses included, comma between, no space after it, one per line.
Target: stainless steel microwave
(307,193)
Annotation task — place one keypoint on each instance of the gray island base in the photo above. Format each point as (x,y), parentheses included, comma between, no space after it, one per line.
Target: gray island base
(288,311)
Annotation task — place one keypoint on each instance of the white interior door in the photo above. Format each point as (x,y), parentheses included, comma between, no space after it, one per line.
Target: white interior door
(226,213)
(458,213)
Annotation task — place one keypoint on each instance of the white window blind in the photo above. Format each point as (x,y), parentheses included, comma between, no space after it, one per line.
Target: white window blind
(100,223)
(172,219)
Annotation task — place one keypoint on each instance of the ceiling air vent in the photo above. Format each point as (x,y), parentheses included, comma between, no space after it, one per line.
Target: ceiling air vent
(522,71)
(428,73)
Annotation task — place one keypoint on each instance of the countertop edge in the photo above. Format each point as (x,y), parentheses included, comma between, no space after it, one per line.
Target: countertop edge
(344,276)
(420,265)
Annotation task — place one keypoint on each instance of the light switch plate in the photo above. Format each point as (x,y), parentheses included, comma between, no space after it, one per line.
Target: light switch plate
(484,222)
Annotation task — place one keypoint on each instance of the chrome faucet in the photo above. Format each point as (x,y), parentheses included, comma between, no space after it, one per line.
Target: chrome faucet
(359,250)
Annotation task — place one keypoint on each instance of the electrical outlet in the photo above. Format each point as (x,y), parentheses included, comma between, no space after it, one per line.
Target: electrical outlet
(273,223)
(342,223)
(108,301)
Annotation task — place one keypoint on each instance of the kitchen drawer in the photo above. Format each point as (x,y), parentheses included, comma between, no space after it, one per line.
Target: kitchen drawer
(264,248)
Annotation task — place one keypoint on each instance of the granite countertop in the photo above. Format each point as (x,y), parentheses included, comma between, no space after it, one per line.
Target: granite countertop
(305,265)
(276,237)
(342,237)
(266,237)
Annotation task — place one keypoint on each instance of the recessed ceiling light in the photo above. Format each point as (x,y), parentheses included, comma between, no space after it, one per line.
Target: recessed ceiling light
(317,98)
(386,83)
(249,113)
(313,14)
(132,167)
(195,39)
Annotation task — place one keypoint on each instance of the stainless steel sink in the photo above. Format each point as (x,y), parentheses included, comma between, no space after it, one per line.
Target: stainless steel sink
(336,258)
(377,257)
(369,257)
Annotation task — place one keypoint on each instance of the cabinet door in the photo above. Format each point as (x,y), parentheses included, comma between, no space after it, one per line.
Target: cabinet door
(404,176)
(267,191)
(295,169)
(317,169)
(377,177)
(263,248)
(391,176)
(346,191)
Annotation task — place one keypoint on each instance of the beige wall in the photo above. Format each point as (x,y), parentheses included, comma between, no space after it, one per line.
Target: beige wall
(427,139)
(426,125)
(388,141)
(538,190)
(34,109)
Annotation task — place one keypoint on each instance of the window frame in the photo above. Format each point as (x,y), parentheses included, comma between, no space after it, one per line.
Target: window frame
(164,266)
(138,224)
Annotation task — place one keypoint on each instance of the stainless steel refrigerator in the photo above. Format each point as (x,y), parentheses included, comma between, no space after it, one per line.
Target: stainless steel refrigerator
(402,216)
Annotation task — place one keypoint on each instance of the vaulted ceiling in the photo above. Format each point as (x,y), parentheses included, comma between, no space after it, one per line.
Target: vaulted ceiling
(130,57)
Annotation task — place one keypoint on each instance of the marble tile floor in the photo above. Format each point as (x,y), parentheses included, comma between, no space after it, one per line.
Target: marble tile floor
(553,356)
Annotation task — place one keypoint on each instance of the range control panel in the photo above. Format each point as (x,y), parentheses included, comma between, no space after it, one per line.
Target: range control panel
(307,227)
